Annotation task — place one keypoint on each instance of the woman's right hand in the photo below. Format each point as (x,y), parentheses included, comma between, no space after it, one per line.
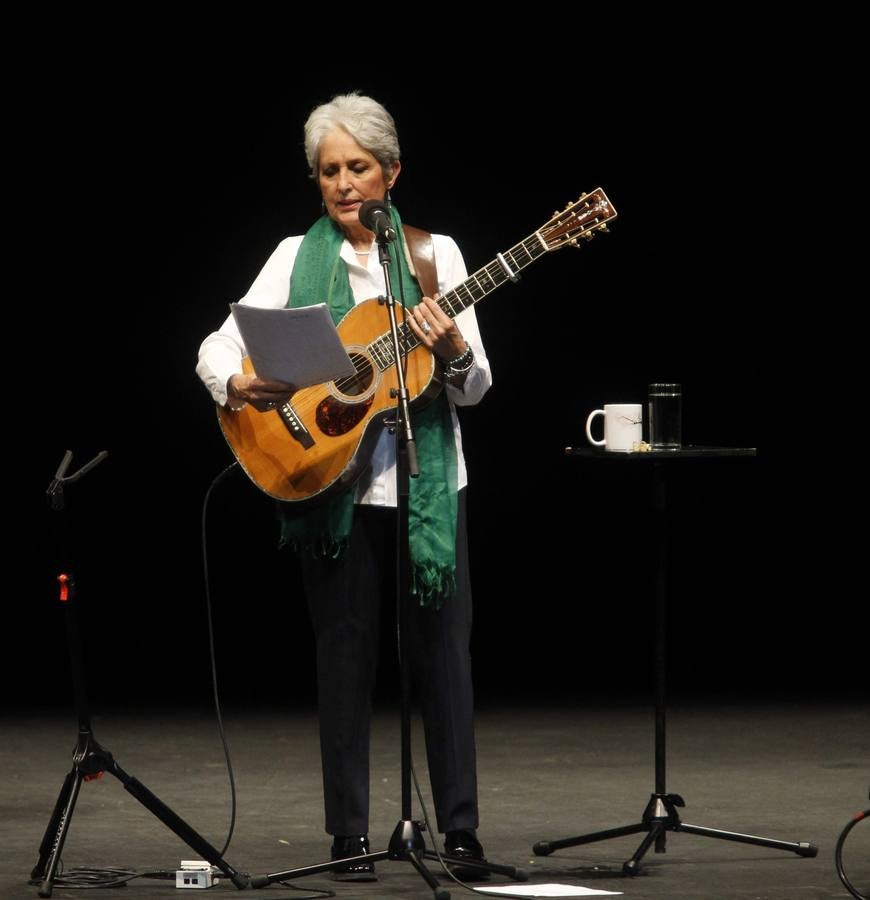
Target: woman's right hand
(263,394)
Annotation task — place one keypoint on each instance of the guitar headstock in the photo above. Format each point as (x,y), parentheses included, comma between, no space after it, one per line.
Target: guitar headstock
(582,219)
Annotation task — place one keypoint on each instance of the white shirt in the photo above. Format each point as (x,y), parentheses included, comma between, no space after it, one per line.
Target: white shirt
(220,354)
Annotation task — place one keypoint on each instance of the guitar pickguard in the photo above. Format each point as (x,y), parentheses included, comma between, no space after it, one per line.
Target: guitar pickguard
(334,417)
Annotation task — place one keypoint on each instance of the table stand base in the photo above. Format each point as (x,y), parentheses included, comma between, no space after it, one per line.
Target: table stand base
(660,817)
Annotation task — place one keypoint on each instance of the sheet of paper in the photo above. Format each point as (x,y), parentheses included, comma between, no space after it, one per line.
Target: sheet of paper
(547,890)
(299,346)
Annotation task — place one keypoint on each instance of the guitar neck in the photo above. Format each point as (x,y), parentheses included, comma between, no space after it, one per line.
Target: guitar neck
(505,267)
(581,219)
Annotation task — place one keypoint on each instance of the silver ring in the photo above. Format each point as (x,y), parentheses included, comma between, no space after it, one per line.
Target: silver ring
(426,327)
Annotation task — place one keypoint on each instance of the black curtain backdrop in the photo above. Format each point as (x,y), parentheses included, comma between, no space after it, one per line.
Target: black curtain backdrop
(163,162)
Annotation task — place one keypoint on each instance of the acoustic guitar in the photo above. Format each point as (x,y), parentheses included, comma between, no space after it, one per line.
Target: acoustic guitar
(321,440)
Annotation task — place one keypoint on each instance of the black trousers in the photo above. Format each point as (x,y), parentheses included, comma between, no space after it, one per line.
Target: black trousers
(344,598)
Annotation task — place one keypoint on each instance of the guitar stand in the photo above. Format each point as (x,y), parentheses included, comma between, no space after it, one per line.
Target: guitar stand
(90,760)
(660,815)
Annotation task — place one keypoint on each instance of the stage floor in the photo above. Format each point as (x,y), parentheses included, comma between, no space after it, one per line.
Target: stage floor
(787,771)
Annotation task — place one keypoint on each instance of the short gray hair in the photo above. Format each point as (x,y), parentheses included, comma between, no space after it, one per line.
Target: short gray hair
(364,119)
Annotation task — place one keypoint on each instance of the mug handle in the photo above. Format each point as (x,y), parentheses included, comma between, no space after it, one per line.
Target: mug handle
(589,418)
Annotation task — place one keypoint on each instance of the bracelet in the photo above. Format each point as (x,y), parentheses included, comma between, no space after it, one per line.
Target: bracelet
(458,360)
(461,364)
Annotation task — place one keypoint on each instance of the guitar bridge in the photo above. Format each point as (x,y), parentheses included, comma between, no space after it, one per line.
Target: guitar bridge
(295,425)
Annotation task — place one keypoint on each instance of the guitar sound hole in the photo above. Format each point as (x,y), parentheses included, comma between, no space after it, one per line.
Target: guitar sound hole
(336,416)
(359,383)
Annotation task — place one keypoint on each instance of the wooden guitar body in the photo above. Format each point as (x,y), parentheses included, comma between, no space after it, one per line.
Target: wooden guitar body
(322,439)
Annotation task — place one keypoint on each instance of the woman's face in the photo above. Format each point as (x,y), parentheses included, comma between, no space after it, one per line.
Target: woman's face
(348,175)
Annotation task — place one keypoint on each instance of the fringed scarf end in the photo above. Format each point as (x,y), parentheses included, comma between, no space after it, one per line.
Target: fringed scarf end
(432,584)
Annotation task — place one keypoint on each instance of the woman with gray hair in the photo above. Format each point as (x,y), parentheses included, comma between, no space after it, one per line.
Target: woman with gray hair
(347,547)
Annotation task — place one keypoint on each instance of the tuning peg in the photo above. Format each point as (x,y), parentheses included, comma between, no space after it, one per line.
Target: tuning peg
(582,197)
(555,212)
(603,227)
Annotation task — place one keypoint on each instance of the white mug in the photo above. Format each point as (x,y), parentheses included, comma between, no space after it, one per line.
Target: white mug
(623,426)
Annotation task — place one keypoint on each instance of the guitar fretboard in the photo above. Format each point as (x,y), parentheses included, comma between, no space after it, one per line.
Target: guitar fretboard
(505,267)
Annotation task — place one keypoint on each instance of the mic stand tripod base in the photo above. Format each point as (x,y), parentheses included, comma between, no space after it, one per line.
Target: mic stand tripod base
(660,817)
(406,844)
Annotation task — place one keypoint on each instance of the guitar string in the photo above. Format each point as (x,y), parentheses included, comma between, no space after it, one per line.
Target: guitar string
(406,337)
(480,277)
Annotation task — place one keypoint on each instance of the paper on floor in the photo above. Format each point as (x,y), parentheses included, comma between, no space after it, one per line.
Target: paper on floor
(547,890)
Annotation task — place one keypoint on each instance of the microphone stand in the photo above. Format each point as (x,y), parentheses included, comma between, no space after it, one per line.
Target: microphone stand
(90,760)
(406,842)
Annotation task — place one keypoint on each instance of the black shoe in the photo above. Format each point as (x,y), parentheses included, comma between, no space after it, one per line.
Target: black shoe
(344,846)
(463,844)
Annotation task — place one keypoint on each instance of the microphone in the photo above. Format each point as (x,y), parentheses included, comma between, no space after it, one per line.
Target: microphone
(375,215)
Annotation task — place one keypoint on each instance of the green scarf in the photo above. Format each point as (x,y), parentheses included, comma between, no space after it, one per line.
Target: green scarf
(320,274)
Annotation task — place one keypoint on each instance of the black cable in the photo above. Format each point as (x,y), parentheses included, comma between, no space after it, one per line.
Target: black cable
(446,867)
(399,647)
(403,349)
(85,877)
(232,466)
(838,854)
(321,892)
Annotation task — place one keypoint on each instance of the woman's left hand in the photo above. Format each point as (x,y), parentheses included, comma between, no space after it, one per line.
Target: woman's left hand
(436,330)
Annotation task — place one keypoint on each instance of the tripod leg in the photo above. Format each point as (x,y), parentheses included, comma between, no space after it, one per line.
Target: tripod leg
(260,881)
(178,825)
(427,876)
(496,868)
(632,866)
(803,848)
(55,834)
(545,848)
(661,841)
(51,829)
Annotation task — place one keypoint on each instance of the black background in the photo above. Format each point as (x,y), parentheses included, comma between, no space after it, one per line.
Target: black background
(162,162)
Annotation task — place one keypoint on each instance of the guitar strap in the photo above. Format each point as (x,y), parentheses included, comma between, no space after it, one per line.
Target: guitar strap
(421,259)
